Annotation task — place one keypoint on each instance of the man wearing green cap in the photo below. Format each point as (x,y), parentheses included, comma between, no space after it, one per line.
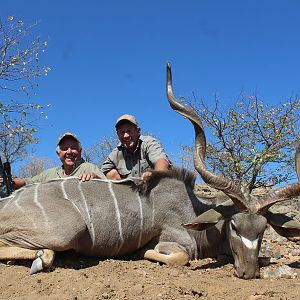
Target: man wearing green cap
(69,152)
(135,154)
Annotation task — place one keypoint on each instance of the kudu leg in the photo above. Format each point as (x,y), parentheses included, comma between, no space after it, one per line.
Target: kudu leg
(167,253)
(42,258)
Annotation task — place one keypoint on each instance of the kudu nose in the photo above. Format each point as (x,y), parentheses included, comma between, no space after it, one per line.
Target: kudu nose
(245,275)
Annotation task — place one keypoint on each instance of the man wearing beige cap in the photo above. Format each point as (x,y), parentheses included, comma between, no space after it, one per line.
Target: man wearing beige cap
(69,152)
(135,153)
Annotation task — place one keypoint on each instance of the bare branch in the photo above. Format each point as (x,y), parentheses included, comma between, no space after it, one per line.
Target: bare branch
(252,141)
(19,69)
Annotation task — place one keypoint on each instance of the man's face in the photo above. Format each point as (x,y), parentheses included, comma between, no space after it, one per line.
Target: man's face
(69,151)
(128,135)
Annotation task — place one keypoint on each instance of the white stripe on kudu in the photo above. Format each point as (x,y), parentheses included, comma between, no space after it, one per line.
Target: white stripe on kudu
(118,217)
(12,198)
(64,191)
(249,244)
(90,225)
(252,245)
(141,218)
(62,186)
(35,200)
(153,213)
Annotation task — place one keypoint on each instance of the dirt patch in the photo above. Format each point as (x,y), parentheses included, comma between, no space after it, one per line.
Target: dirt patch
(76,277)
(112,279)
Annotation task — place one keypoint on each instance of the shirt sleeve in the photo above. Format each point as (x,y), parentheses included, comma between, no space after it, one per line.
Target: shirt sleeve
(155,151)
(95,169)
(110,162)
(88,167)
(42,177)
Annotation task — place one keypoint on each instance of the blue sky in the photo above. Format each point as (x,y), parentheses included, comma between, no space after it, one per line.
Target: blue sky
(108,58)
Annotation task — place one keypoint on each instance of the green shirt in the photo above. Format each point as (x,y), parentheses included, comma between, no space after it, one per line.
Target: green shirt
(58,172)
(147,153)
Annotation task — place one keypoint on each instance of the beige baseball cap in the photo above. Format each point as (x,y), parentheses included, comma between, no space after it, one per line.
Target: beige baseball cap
(128,118)
(67,134)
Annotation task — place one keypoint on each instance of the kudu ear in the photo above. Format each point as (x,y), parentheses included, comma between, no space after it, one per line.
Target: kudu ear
(212,216)
(204,221)
(283,225)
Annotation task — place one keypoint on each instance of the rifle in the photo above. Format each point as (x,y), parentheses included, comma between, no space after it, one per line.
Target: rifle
(7,186)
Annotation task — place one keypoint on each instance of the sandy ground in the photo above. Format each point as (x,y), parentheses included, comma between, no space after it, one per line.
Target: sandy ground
(113,279)
(76,277)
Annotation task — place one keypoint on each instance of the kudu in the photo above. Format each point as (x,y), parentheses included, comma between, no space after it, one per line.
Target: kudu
(111,219)
(245,225)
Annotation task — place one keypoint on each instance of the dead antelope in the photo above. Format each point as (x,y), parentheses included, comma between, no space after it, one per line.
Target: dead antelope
(246,223)
(111,219)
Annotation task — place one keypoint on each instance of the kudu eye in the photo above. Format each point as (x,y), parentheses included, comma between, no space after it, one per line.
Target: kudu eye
(233,228)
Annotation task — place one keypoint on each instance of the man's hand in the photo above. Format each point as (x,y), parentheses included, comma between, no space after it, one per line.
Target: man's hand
(161,165)
(113,175)
(146,175)
(87,176)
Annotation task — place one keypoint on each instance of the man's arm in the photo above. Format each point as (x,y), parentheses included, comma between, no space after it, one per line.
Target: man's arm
(20,182)
(157,155)
(113,175)
(161,164)
(17,182)
(109,167)
(90,171)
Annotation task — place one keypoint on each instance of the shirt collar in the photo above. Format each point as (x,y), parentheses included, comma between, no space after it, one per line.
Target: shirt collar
(121,147)
(76,165)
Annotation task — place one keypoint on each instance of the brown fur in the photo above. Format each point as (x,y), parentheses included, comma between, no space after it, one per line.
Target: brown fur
(181,174)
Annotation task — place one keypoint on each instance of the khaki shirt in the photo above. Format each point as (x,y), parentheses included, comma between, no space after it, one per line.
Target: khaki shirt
(148,152)
(58,172)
